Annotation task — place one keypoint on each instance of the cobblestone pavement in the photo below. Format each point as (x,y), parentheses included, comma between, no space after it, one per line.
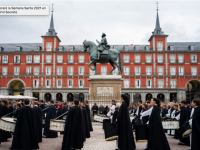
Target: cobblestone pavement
(96,142)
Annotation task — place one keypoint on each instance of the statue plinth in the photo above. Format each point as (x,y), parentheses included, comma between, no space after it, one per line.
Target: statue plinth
(104,88)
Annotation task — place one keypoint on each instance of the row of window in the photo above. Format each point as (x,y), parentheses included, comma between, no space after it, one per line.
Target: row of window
(172,58)
(149,83)
(58,83)
(81,71)
(126,83)
(82,58)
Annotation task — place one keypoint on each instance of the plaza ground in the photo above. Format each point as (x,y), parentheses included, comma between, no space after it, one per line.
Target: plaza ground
(96,142)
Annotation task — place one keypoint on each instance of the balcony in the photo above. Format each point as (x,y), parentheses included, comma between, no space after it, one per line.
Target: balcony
(172,61)
(160,61)
(48,61)
(36,62)
(81,61)
(148,61)
(28,61)
(4,61)
(137,61)
(194,61)
(70,61)
(16,62)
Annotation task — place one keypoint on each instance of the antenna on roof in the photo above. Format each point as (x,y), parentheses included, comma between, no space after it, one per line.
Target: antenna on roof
(52,8)
(157,6)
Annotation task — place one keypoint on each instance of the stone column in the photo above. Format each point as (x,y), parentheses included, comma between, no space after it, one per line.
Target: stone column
(143,97)
(64,97)
(53,96)
(131,97)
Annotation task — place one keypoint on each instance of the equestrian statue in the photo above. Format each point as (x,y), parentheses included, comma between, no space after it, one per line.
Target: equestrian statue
(103,54)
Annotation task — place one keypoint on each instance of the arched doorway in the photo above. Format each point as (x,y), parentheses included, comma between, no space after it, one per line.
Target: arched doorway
(128,95)
(70,97)
(81,97)
(16,87)
(149,96)
(59,97)
(161,97)
(136,97)
(193,90)
(47,96)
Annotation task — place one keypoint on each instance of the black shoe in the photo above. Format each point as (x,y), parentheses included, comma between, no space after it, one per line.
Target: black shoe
(180,143)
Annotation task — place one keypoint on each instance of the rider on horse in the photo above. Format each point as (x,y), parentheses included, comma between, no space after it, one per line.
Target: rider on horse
(102,45)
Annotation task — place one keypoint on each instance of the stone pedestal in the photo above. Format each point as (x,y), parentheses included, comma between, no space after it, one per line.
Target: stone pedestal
(104,88)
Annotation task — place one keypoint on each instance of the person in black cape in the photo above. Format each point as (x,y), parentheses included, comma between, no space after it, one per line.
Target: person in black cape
(51,114)
(73,138)
(59,111)
(196,126)
(86,120)
(24,135)
(4,110)
(88,113)
(184,117)
(157,139)
(125,134)
(10,107)
(37,113)
(64,107)
(17,110)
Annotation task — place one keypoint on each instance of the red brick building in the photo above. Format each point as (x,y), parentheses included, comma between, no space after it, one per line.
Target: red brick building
(49,70)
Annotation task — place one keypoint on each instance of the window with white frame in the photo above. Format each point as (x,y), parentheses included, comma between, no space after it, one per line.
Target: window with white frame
(16,59)
(137,83)
(81,70)
(28,59)
(148,70)
(160,83)
(115,72)
(92,72)
(16,70)
(126,58)
(149,83)
(81,83)
(172,70)
(194,70)
(59,58)
(70,70)
(59,71)
(59,83)
(70,83)
(181,70)
(193,58)
(48,71)
(5,59)
(35,83)
(4,71)
(36,70)
(126,70)
(48,58)
(148,58)
(172,58)
(137,58)
(173,83)
(70,58)
(37,59)
(81,59)
(48,83)
(160,71)
(28,70)
(180,58)
(160,58)
(103,70)
(160,46)
(126,83)
(137,71)
(48,46)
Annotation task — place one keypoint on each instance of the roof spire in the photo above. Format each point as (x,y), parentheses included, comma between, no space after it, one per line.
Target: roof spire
(51,22)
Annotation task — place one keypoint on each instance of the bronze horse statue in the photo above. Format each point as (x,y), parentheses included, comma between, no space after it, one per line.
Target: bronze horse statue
(110,55)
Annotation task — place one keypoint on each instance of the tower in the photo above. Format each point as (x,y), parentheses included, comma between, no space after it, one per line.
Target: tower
(51,41)
(158,40)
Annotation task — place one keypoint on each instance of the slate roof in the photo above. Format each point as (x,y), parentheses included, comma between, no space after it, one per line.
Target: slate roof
(178,46)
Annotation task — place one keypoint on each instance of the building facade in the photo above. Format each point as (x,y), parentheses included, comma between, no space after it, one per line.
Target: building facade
(49,70)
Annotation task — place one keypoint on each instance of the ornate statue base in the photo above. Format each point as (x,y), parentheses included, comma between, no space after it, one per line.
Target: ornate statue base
(104,88)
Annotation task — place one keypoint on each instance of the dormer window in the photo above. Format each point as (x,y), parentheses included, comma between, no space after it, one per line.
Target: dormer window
(171,47)
(115,47)
(61,48)
(137,48)
(38,48)
(126,48)
(18,48)
(72,48)
(147,47)
(1,49)
(191,47)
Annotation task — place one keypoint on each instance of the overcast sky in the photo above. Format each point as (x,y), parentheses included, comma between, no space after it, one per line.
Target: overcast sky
(124,22)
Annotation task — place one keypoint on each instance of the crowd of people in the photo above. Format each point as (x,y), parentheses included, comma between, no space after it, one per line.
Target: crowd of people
(29,123)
